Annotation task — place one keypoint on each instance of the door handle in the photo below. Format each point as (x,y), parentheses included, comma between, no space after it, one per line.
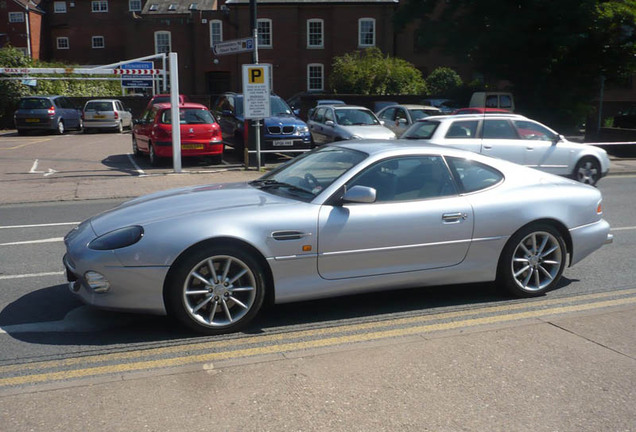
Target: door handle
(454,217)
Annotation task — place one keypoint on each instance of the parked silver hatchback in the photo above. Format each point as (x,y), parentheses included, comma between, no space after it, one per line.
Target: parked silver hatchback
(106,114)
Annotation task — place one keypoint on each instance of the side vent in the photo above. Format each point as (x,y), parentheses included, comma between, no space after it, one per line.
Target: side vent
(288,235)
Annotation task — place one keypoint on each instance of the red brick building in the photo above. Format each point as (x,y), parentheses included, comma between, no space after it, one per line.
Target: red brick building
(21,26)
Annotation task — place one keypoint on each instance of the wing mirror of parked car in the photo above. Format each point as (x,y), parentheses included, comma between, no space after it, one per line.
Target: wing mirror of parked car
(296,112)
(557,138)
(329,123)
(402,121)
(359,194)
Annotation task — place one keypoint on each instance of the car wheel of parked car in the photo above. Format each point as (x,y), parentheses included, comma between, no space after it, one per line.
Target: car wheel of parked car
(588,171)
(135,148)
(154,159)
(80,126)
(532,261)
(60,128)
(120,128)
(215,290)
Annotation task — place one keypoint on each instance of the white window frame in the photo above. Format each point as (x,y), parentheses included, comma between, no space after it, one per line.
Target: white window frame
(219,25)
(62,43)
(267,21)
(163,33)
(99,6)
(361,22)
(97,45)
(313,67)
(16,17)
(59,7)
(135,5)
(322,33)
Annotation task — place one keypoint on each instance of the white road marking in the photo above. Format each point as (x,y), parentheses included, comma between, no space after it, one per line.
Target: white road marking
(624,228)
(49,240)
(39,225)
(34,167)
(28,275)
(137,167)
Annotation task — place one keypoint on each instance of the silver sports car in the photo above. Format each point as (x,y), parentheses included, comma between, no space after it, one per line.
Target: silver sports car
(342,219)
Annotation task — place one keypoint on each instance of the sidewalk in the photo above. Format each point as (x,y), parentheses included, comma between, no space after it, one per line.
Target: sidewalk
(569,373)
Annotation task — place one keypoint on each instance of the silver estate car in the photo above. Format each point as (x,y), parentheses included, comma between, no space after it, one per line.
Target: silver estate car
(517,139)
(399,118)
(346,218)
(330,123)
(106,114)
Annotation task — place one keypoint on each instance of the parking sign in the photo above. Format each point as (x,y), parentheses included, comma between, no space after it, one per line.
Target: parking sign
(256,90)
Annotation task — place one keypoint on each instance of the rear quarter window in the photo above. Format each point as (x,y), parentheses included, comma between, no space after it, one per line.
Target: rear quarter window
(473,176)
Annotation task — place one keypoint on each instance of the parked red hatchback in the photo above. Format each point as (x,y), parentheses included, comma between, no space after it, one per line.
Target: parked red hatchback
(200,133)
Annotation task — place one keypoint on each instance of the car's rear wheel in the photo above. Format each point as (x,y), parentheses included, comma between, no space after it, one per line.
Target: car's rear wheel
(60,128)
(154,159)
(532,261)
(215,290)
(135,147)
(588,171)
(120,127)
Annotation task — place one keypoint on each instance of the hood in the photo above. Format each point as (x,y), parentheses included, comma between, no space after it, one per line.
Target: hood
(181,202)
(369,131)
(283,119)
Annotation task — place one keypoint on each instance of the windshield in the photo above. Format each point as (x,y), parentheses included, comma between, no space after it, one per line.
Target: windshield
(35,103)
(421,130)
(355,117)
(306,176)
(189,116)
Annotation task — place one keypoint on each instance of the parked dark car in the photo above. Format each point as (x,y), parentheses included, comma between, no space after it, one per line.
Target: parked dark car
(282,131)
(52,113)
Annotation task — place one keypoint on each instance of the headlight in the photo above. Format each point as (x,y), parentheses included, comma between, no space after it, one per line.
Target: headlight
(118,239)
(303,129)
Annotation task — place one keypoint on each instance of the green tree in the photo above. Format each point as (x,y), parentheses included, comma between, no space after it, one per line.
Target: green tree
(443,80)
(553,52)
(370,72)
(11,90)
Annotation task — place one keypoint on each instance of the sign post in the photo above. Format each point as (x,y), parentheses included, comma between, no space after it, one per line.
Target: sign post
(256,100)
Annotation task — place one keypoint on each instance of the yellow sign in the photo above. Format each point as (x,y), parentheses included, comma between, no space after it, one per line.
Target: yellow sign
(256,75)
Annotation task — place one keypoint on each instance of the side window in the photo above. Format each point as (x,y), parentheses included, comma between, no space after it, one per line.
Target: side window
(499,129)
(533,131)
(388,114)
(492,101)
(400,114)
(329,115)
(319,116)
(408,178)
(505,102)
(463,129)
(473,176)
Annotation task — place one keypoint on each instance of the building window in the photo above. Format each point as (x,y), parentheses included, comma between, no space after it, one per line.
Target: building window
(264,33)
(366,32)
(62,43)
(59,7)
(162,42)
(216,32)
(315,77)
(134,5)
(16,17)
(315,33)
(154,7)
(172,7)
(98,42)
(99,6)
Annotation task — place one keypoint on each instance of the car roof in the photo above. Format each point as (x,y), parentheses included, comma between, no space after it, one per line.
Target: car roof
(103,100)
(380,147)
(413,106)
(345,106)
(473,116)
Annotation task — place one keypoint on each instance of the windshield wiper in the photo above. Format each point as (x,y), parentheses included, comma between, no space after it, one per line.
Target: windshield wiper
(268,183)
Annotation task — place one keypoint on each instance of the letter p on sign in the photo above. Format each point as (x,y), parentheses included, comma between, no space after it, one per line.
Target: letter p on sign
(256,75)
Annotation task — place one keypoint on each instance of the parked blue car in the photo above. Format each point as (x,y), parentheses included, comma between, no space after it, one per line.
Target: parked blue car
(282,131)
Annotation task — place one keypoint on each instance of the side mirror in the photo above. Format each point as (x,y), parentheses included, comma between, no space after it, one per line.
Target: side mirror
(360,194)
(329,123)
(402,121)
(296,112)
(557,138)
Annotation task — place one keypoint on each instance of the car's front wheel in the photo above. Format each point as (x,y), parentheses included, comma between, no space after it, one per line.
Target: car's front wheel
(60,128)
(215,290)
(532,261)
(135,147)
(588,171)
(154,159)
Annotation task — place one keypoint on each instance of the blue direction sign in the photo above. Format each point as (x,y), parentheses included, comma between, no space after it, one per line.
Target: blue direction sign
(133,81)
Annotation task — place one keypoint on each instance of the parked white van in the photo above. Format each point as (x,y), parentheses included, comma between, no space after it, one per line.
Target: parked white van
(493,100)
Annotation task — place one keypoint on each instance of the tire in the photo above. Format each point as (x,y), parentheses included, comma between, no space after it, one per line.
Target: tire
(532,261)
(120,128)
(215,290)
(60,128)
(135,148)
(588,171)
(80,126)
(154,159)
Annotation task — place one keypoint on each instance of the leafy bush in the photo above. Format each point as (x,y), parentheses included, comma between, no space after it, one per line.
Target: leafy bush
(442,81)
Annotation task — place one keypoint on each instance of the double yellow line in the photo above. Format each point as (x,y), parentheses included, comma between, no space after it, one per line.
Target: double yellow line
(317,338)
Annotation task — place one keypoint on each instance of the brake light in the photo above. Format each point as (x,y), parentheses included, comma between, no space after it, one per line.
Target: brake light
(51,111)
(116,115)
(599,208)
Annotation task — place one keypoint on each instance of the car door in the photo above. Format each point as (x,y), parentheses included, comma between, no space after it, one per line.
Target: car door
(542,149)
(463,134)
(387,117)
(500,140)
(317,126)
(418,222)
(143,128)
(71,113)
(225,114)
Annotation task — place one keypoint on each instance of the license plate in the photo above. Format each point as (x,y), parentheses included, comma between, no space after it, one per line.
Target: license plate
(99,116)
(32,120)
(192,146)
(283,143)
